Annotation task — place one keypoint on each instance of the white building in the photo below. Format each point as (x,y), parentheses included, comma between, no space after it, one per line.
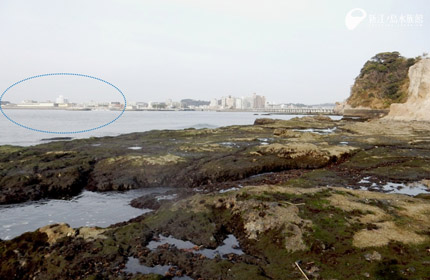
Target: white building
(38,105)
(214,104)
(239,103)
(60,99)
(228,102)
(247,102)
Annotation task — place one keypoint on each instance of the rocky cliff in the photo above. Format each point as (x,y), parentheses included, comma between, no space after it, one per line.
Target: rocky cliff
(382,81)
(417,106)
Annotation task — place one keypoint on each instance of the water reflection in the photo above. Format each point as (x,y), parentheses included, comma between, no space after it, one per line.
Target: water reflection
(86,209)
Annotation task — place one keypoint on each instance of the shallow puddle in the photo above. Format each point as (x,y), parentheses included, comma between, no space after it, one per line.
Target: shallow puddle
(265,141)
(180,244)
(321,131)
(230,246)
(229,190)
(411,189)
(134,266)
(408,189)
(166,197)
(229,144)
(135,148)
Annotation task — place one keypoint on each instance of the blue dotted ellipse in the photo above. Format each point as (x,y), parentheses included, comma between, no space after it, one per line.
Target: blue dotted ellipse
(63,132)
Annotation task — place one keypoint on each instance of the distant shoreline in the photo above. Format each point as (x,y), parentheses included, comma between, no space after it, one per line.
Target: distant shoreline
(295,111)
(52,108)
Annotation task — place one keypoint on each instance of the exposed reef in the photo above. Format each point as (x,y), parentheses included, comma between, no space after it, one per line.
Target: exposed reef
(322,193)
(183,158)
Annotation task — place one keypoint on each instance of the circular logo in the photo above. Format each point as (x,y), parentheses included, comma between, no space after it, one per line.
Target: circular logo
(354,17)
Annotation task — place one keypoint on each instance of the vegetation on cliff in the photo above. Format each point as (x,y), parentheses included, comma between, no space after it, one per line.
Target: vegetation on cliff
(383,80)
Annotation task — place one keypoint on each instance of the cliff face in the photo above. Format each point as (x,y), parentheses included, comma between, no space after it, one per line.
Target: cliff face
(417,106)
(382,81)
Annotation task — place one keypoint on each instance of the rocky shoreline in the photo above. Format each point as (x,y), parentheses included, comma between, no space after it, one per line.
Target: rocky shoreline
(308,189)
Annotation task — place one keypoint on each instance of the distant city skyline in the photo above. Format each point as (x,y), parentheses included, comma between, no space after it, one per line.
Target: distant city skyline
(243,103)
(230,101)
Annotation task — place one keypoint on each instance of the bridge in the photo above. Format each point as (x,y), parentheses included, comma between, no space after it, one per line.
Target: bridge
(298,111)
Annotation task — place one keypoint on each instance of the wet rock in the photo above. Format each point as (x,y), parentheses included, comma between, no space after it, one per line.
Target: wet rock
(146,202)
(57,231)
(52,174)
(294,217)
(90,233)
(307,155)
(423,195)
(154,201)
(374,256)
(264,121)
(426,182)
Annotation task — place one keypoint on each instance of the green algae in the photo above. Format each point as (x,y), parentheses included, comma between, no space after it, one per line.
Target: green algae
(329,253)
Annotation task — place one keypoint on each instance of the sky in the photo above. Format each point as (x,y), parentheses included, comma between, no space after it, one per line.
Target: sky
(290,51)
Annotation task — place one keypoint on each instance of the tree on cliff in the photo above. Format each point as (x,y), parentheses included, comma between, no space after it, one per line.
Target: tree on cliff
(383,80)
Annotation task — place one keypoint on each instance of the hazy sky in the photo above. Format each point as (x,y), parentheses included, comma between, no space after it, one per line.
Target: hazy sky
(290,51)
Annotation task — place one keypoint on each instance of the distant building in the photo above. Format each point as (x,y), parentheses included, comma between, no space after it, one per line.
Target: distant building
(228,102)
(141,105)
(48,104)
(175,105)
(27,101)
(247,102)
(258,101)
(91,104)
(214,104)
(244,103)
(61,100)
(157,105)
(239,103)
(35,104)
(116,105)
(131,107)
(273,106)
(103,105)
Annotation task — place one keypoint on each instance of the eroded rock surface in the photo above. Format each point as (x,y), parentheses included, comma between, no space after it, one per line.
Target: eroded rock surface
(184,158)
(308,189)
(417,106)
(326,228)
